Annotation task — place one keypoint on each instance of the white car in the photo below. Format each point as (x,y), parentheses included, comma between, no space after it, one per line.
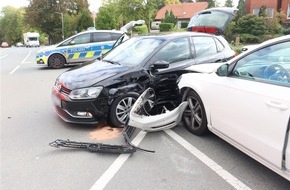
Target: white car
(245,102)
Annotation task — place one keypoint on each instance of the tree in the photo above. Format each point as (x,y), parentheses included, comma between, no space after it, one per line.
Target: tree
(171,2)
(211,3)
(106,19)
(262,11)
(241,10)
(85,21)
(229,3)
(45,15)
(251,24)
(11,25)
(170,18)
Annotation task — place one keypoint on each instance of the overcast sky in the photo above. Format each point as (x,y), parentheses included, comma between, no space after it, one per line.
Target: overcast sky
(94,4)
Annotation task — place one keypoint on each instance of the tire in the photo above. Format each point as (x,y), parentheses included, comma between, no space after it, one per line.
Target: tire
(56,61)
(194,116)
(120,109)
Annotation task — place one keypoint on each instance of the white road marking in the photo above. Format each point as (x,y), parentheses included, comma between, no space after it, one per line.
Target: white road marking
(117,164)
(14,70)
(23,62)
(229,178)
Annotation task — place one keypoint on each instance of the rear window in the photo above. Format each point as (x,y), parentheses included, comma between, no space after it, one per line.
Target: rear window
(211,18)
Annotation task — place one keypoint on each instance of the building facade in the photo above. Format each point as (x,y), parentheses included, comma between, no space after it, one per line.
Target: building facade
(273,6)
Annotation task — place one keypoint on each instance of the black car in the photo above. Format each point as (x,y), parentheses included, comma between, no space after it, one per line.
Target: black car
(106,89)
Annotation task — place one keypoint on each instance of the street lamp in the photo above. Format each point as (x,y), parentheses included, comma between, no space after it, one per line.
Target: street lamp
(62,28)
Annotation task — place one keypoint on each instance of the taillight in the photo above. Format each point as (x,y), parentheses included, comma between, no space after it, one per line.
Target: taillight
(205,29)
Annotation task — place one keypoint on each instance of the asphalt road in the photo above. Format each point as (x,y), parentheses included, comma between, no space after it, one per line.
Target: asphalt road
(180,161)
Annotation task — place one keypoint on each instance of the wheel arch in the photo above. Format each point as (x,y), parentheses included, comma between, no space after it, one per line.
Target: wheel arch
(185,90)
(56,53)
(133,88)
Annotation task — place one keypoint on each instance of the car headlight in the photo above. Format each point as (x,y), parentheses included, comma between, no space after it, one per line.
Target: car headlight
(85,93)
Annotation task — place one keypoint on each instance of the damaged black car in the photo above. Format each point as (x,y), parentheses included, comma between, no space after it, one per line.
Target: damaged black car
(105,90)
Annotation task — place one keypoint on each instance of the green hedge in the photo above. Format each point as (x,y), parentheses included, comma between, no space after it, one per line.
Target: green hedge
(184,25)
(163,27)
(141,30)
(250,39)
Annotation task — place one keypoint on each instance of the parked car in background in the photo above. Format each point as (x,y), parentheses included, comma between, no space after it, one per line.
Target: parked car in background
(245,102)
(4,45)
(19,44)
(84,46)
(213,20)
(155,25)
(106,88)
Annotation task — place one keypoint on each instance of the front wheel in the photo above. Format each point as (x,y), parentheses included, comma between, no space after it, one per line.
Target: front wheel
(120,109)
(194,116)
(56,61)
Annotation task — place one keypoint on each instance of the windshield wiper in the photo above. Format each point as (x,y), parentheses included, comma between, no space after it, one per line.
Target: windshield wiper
(112,62)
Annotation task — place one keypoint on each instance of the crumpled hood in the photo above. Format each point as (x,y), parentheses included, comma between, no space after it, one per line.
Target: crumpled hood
(205,68)
(88,74)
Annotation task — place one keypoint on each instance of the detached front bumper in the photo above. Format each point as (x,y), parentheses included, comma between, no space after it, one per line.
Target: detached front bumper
(140,117)
(81,112)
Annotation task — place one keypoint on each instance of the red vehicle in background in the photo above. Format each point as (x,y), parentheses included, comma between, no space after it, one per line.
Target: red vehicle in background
(4,45)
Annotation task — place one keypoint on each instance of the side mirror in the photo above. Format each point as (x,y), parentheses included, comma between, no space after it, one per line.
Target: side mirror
(72,42)
(160,65)
(223,70)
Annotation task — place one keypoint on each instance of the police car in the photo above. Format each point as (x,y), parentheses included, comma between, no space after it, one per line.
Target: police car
(84,46)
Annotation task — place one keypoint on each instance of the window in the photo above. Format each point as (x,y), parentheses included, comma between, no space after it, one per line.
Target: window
(288,12)
(204,46)
(101,36)
(270,64)
(220,46)
(270,12)
(174,51)
(115,36)
(256,11)
(82,39)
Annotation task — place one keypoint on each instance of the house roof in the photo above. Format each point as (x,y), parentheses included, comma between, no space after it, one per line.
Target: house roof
(182,10)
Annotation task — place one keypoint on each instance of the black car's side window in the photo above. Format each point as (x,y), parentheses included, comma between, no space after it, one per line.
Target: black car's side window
(270,64)
(204,46)
(101,37)
(174,51)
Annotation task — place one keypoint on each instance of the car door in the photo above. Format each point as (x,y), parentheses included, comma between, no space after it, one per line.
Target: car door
(251,107)
(178,55)
(78,47)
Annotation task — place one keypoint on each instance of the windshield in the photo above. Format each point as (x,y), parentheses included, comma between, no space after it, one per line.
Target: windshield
(133,51)
(33,38)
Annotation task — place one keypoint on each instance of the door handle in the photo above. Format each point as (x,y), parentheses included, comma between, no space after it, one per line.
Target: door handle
(278,105)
